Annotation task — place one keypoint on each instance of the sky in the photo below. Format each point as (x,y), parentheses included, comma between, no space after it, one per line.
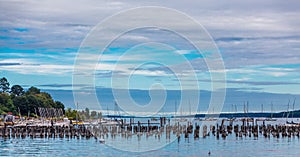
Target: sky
(258,42)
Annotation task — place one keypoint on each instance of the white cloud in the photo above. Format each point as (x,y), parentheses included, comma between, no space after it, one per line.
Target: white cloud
(277,74)
(268,31)
(242,79)
(136,37)
(183,52)
(278,69)
(150,73)
(26,66)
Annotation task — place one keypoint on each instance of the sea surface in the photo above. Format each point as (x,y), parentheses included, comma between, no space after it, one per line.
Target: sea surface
(230,147)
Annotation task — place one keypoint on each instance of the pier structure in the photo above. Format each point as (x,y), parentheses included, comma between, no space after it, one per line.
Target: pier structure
(244,128)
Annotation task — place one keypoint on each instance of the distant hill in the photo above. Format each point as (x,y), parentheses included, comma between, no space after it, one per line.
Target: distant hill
(295,114)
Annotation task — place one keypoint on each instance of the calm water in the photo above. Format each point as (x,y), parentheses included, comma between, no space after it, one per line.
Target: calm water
(230,147)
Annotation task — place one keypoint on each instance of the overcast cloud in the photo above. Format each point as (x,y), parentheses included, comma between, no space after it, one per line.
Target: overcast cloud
(42,37)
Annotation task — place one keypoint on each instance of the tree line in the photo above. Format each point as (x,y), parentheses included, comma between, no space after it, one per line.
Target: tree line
(18,101)
(83,114)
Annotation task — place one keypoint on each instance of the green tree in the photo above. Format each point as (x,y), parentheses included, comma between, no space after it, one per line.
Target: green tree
(46,95)
(3,109)
(100,115)
(87,113)
(21,103)
(47,100)
(59,104)
(71,114)
(17,90)
(6,104)
(33,90)
(4,97)
(25,103)
(4,84)
(33,103)
(10,105)
(93,114)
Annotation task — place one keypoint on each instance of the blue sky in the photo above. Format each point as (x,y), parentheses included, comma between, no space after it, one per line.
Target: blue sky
(259,43)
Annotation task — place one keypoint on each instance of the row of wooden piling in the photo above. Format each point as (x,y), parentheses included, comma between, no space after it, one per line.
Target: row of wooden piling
(45,132)
(178,129)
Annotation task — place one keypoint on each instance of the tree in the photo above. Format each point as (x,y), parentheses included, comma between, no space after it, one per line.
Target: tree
(17,90)
(3,109)
(4,97)
(10,105)
(59,104)
(33,90)
(47,100)
(21,103)
(87,113)
(71,114)
(25,103)
(4,85)
(93,114)
(45,95)
(100,115)
(6,104)
(33,103)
